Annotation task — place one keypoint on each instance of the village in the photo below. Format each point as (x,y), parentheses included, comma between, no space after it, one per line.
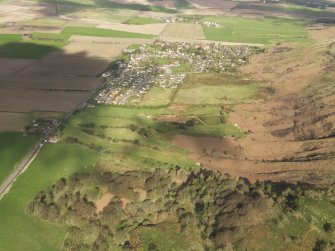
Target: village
(166,65)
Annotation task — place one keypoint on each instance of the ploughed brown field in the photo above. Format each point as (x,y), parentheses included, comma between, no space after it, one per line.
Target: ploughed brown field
(59,81)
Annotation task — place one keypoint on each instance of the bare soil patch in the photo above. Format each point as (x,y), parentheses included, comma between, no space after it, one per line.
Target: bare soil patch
(209,146)
(103,201)
(16,100)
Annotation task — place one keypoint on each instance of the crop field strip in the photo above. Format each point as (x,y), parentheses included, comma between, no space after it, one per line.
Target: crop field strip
(180,30)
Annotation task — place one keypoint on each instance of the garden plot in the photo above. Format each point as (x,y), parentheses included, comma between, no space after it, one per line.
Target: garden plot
(182,30)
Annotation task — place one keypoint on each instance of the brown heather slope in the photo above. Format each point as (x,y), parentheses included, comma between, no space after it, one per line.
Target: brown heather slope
(292,124)
(292,131)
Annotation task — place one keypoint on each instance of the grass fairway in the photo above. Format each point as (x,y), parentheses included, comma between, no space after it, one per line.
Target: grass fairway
(98,32)
(263,31)
(13,46)
(13,147)
(20,231)
(142,20)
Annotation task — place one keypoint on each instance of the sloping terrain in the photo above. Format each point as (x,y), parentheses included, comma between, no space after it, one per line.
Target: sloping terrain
(200,210)
(294,122)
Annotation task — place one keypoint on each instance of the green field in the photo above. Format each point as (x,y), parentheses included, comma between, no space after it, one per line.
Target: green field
(157,96)
(262,31)
(183,4)
(128,134)
(21,231)
(13,147)
(98,32)
(142,20)
(40,44)
(208,95)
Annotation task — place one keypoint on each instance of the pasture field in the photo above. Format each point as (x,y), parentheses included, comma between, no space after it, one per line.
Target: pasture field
(157,96)
(13,147)
(99,32)
(128,132)
(14,46)
(142,20)
(22,230)
(207,94)
(183,30)
(263,31)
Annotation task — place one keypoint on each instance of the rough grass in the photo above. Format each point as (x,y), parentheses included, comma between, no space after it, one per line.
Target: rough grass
(13,147)
(263,31)
(22,231)
(99,32)
(205,94)
(306,224)
(157,96)
(142,20)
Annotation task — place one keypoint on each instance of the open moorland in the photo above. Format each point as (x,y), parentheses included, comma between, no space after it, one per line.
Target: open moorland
(168,125)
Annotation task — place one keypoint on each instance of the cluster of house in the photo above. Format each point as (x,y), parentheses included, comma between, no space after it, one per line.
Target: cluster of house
(212,24)
(174,19)
(189,19)
(166,64)
(125,82)
(41,127)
